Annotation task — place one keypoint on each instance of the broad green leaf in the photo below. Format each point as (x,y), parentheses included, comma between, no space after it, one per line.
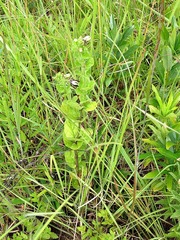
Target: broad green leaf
(165,34)
(63,88)
(23,137)
(176,99)
(174,74)
(70,158)
(71,129)
(176,214)
(172,38)
(74,145)
(173,235)
(89,106)
(169,182)
(172,117)
(154,110)
(153,143)
(167,58)
(85,86)
(88,60)
(160,70)
(177,44)
(71,135)
(75,183)
(158,186)
(159,134)
(129,52)
(169,144)
(158,98)
(86,135)
(170,101)
(151,175)
(147,161)
(62,84)
(71,109)
(108,81)
(167,153)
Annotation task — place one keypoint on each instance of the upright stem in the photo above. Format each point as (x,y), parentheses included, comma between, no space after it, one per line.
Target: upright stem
(77,164)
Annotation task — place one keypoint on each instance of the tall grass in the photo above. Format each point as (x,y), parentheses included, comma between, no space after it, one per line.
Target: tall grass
(38,198)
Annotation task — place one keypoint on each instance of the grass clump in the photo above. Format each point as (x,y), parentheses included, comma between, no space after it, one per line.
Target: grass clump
(89,110)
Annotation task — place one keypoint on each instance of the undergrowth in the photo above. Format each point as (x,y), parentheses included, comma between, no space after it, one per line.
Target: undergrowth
(90,120)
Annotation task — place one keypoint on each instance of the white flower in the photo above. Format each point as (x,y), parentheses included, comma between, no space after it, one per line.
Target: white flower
(67,75)
(86,38)
(74,82)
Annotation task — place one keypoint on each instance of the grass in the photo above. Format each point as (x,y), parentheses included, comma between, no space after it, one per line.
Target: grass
(110,196)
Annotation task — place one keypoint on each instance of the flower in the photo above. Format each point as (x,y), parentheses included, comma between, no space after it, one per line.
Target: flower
(86,39)
(67,75)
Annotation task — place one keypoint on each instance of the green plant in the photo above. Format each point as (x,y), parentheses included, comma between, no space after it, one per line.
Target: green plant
(165,129)
(65,163)
(75,89)
(120,51)
(99,228)
(29,228)
(168,66)
(174,213)
(164,177)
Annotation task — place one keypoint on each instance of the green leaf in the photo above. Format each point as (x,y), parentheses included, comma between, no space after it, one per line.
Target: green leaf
(112,23)
(82,229)
(167,58)
(160,70)
(167,153)
(153,143)
(85,86)
(158,98)
(71,129)
(159,135)
(169,182)
(129,52)
(83,168)
(154,110)
(177,44)
(174,74)
(170,101)
(70,158)
(176,99)
(147,161)
(169,144)
(158,186)
(151,175)
(54,235)
(17,201)
(62,84)
(74,145)
(176,214)
(71,135)
(173,235)
(108,81)
(165,34)
(23,136)
(71,109)
(89,106)
(127,33)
